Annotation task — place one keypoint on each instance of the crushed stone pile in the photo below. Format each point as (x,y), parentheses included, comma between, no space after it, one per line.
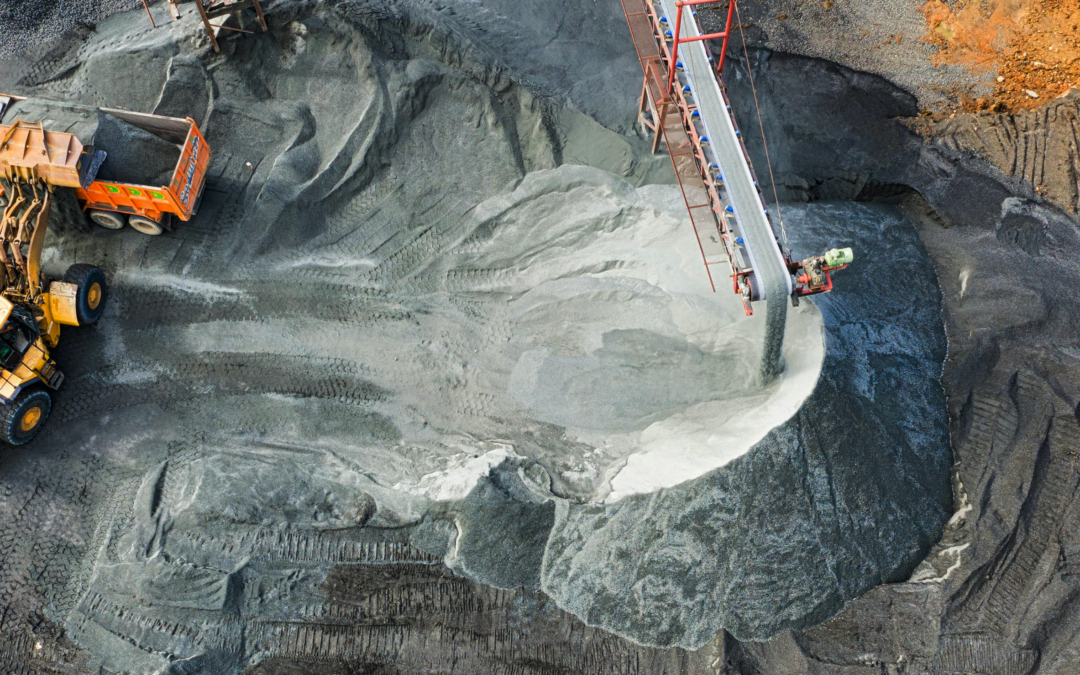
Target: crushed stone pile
(31,25)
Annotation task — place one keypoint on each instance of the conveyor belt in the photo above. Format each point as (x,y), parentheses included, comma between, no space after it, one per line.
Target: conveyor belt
(726,209)
(766,259)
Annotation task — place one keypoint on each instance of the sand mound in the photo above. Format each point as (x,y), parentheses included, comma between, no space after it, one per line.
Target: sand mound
(613,332)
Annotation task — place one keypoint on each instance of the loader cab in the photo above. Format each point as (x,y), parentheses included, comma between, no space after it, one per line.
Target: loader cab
(17,333)
(27,373)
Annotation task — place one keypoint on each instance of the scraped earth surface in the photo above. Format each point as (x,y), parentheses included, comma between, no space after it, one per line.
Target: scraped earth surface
(413,351)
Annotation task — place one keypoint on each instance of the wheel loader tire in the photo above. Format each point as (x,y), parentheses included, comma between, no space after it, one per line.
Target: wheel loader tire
(90,299)
(24,417)
(107,219)
(145,225)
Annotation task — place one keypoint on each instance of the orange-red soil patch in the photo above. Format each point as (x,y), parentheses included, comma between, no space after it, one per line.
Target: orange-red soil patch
(1028,50)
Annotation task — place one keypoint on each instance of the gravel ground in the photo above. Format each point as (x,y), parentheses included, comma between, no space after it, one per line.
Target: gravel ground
(882,37)
(408,337)
(30,25)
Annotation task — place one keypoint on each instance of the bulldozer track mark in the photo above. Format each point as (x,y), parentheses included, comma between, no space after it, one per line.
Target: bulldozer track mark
(451,605)
(113,502)
(324,642)
(439,597)
(304,547)
(418,650)
(226,374)
(986,654)
(122,521)
(420,246)
(1023,145)
(206,549)
(476,404)
(224,204)
(44,552)
(17,650)
(403,261)
(221,633)
(57,62)
(995,422)
(145,308)
(356,220)
(1013,575)
(478,279)
(292,546)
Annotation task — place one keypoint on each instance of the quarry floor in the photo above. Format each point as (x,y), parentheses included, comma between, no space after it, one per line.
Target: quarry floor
(232,481)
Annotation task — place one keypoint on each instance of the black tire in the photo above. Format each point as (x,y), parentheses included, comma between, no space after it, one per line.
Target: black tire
(107,219)
(23,418)
(145,225)
(90,300)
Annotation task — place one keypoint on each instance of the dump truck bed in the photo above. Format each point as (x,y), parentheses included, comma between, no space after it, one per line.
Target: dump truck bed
(158,164)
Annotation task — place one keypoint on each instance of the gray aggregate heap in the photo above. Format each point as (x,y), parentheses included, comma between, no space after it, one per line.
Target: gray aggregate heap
(848,494)
(34,28)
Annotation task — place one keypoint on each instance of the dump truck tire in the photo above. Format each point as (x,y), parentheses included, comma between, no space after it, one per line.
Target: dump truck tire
(107,219)
(90,300)
(145,225)
(24,417)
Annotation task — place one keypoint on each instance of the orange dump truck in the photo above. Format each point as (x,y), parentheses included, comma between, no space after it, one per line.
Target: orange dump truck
(51,148)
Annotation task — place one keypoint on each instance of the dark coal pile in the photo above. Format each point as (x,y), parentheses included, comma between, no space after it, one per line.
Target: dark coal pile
(134,155)
(994,197)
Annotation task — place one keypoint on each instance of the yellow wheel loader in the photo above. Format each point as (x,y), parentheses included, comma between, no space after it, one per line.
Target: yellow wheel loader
(32,308)
(34,160)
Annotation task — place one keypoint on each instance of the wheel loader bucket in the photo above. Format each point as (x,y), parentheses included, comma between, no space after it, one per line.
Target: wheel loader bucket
(62,297)
(29,152)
